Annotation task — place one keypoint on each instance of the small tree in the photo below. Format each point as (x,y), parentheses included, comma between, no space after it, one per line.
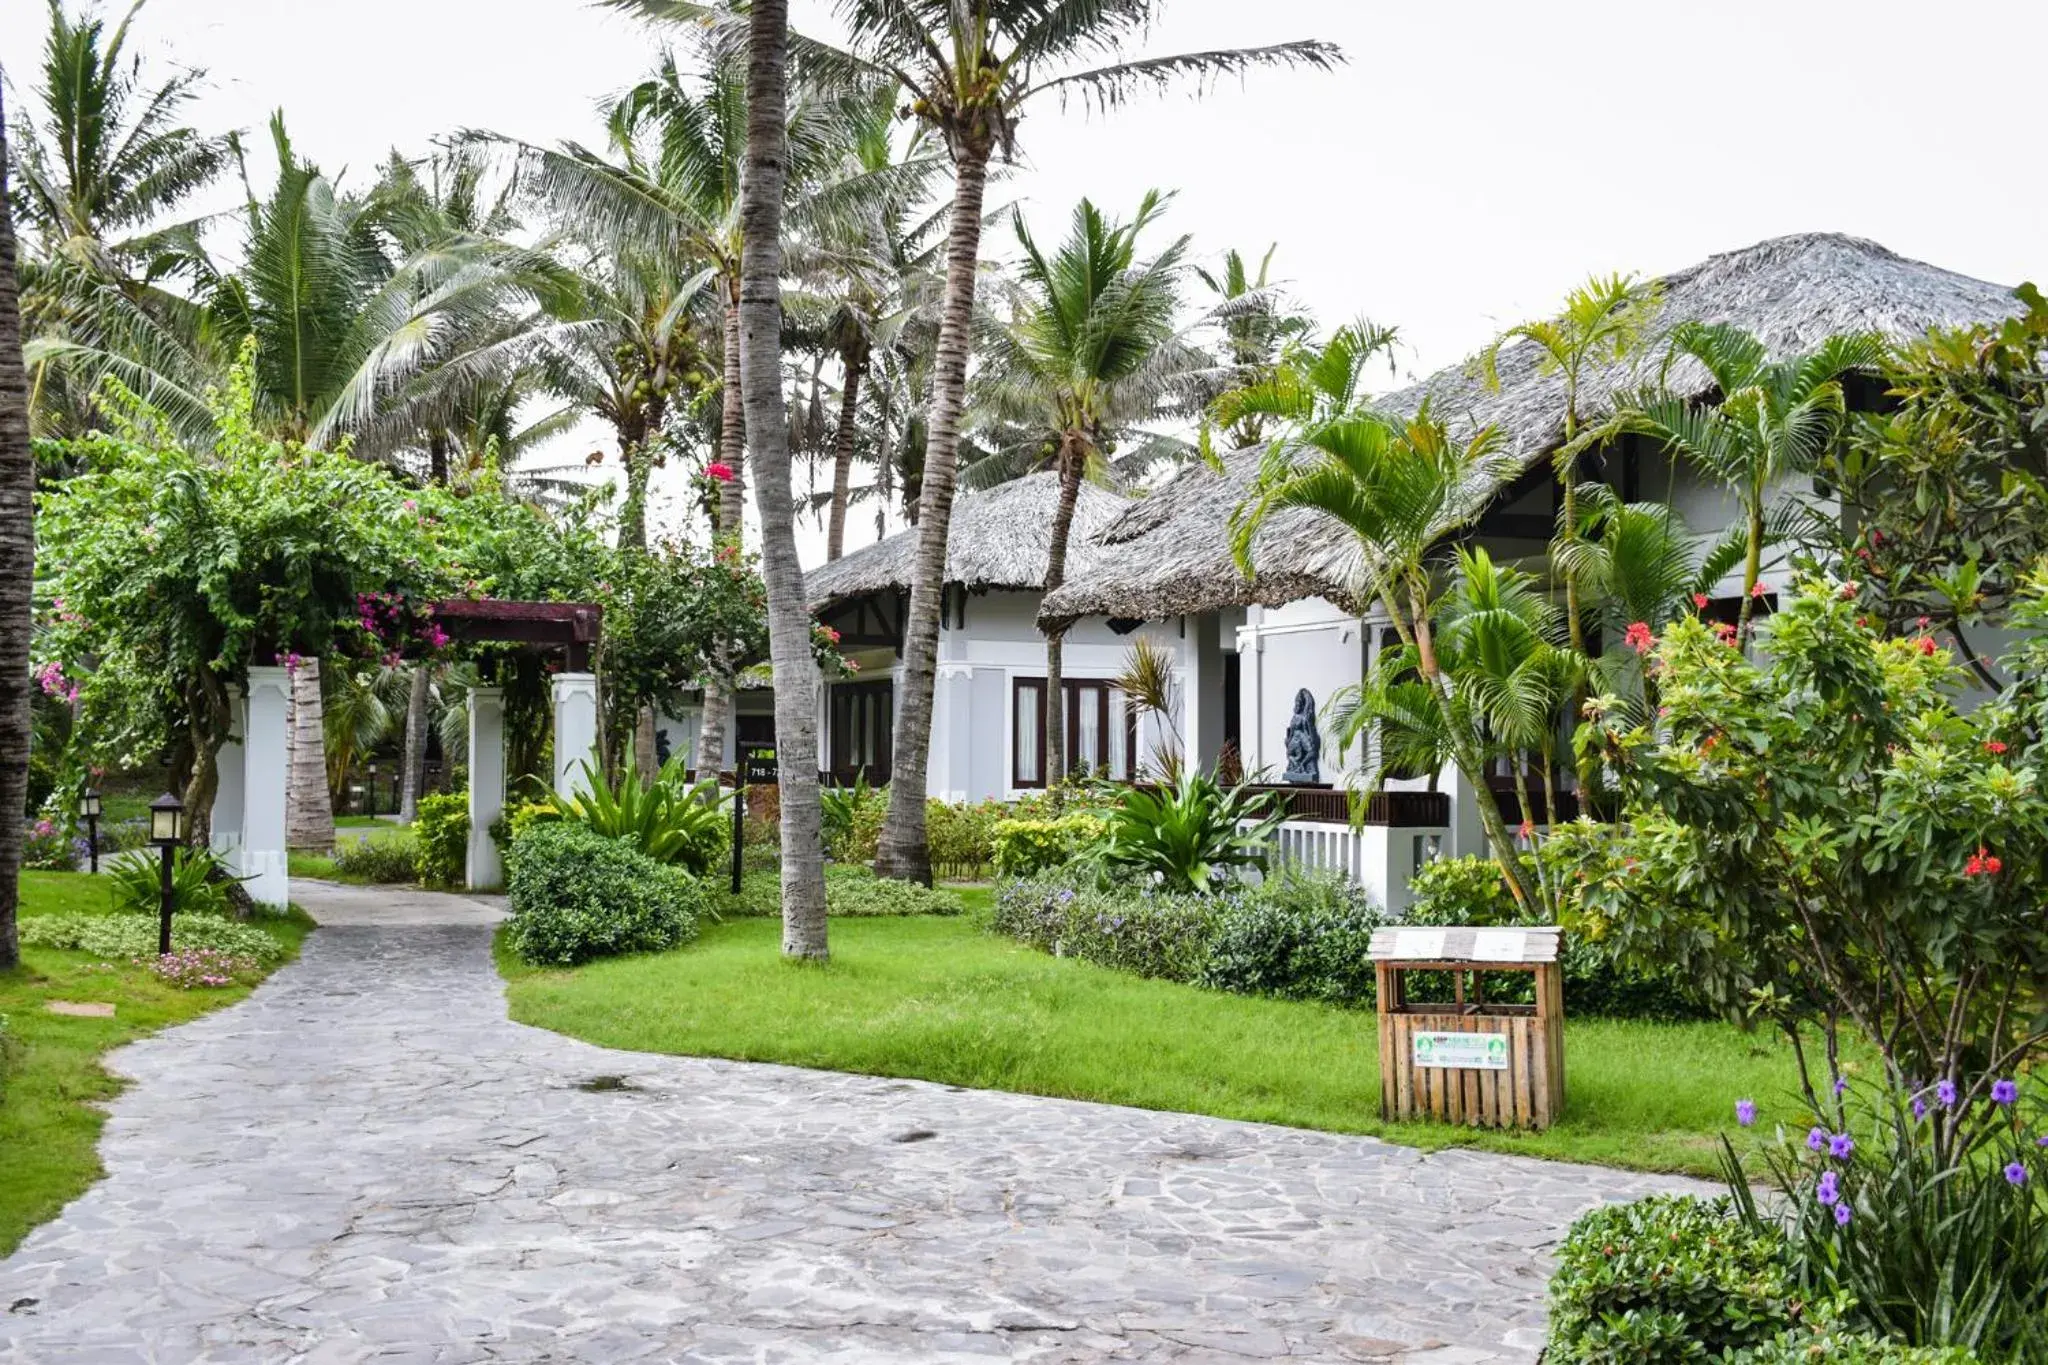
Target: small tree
(1823,840)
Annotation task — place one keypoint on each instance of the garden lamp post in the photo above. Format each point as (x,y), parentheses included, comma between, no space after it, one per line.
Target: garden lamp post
(739,831)
(373,788)
(166,831)
(89,808)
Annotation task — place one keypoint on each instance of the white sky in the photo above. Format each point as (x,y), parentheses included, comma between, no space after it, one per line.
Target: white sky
(1472,162)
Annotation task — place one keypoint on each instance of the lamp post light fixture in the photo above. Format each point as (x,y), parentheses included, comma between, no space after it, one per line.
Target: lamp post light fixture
(373,788)
(166,831)
(89,808)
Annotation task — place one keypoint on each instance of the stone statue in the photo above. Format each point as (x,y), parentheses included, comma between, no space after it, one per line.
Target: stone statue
(1304,745)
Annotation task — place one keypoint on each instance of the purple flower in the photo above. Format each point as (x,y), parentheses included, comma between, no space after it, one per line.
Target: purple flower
(1841,1084)
(1830,1188)
(1840,1145)
(2016,1174)
(1945,1091)
(1919,1108)
(1842,1214)
(2004,1092)
(1745,1112)
(2041,1142)
(1816,1139)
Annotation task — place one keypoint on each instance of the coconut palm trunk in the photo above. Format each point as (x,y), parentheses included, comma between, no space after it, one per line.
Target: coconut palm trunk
(903,850)
(729,525)
(842,456)
(308,805)
(17,574)
(789,622)
(1071,461)
(414,764)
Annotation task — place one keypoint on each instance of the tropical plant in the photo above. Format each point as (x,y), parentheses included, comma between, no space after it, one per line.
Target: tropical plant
(1773,419)
(441,829)
(1822,840)
(1918,1209)
(17,571)
(1147,682)
(1193,835)
(1400,487)
(1256,327)
(576,895)
(668,819)
(198,882)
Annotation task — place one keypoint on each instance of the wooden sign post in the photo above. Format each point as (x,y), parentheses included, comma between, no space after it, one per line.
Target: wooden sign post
(1470,1060)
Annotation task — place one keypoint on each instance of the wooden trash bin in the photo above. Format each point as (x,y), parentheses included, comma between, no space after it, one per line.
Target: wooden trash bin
(1470,1060)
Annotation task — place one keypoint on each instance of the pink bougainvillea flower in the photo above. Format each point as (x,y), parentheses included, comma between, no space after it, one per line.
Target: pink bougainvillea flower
(719,470)
(1756,589)
(1640,637)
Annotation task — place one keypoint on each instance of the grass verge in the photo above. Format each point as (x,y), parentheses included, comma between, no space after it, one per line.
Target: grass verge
(50,1114)
(942,1000)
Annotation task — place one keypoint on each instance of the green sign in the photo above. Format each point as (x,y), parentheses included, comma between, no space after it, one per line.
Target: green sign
(1462,1051)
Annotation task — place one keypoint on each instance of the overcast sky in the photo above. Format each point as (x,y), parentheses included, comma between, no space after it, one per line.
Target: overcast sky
(1471,163)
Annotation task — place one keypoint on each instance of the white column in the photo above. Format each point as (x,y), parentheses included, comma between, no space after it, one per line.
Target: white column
(486,783)
(575,730)
(228,793)
(266,750)
(947,768)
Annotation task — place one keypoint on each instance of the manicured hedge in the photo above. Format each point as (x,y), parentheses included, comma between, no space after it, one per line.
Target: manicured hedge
(577,895)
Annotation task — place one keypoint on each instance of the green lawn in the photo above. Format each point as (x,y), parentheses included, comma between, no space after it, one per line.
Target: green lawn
(366,829)
(49,1108)
(942,1000)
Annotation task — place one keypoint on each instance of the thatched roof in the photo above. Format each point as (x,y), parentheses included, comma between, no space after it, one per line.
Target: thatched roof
(1000,538)
(1170,553)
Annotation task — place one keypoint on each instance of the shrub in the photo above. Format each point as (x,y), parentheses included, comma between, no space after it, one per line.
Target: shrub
(760,895)
(1154,934)
(441,826)
(1025,848)
(1472,890)
(1188,837)
(668,820)
(962,837)
(1839,1346)
(1928,1218)
(46,848)
(855,891)
(386,860)
(1670,1279)
(197,882)
(120,938)
(1302,936)
(577,895)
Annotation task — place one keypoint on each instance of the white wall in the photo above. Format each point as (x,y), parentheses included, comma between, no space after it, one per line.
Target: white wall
(1313,644)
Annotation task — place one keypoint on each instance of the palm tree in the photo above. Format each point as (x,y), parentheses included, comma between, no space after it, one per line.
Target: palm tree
(1400,488)
(1091,352)
(1256,325)
(1772,419)
(17,572)
(789,620)
(970,68)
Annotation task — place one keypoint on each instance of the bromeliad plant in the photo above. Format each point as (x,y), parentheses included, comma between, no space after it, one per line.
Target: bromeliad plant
(1823,840)
(1929,1220)
(1194,835)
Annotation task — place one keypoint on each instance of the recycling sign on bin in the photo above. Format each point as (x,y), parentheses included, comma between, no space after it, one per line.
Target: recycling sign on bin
(1462,1051)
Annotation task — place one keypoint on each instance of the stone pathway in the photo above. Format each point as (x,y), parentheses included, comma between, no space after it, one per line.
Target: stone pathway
(367,1161)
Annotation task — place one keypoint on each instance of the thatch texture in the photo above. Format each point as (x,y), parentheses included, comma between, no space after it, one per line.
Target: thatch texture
(1170,553)
(1000,538)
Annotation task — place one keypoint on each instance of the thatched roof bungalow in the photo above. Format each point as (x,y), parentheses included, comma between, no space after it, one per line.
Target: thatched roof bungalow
(1001,537)
(1169,554)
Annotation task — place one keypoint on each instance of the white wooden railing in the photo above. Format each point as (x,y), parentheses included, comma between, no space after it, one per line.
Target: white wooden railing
(1379,858)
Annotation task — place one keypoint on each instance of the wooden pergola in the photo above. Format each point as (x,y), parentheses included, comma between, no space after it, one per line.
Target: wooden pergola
(572,626)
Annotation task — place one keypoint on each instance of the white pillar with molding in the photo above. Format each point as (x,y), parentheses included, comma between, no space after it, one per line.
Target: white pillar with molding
(265,757)
(575,730)
(486,784)
(230,777)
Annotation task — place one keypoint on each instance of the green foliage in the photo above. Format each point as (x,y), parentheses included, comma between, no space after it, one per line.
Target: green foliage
(1154,934)
(123,938)
(1821,838)
(441,827)
(1923,1210)
(1670,1279)
(136,880)
(675,616)
(962,837)
(385,861)
(1186,837)
(577,894)
(853,820)
(1299,936)
(1023,848)
(850,890)
(669,820)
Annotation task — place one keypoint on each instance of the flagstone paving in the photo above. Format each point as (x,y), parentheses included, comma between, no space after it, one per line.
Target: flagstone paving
(367,1161)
